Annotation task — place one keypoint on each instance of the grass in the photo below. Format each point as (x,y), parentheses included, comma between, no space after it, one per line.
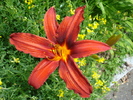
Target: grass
(102,20)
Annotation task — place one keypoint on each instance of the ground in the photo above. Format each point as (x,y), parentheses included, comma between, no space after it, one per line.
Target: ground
(125,89)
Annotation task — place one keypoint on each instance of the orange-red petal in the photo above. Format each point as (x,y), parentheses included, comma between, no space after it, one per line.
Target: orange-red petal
(50,24)
(32,44)
(74,79)
(41,72)
(69,27)
(87,47)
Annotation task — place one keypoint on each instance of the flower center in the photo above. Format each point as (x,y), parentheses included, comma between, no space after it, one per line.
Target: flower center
(61,52)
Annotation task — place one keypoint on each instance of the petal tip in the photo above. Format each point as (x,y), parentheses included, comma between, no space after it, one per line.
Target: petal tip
(36,86)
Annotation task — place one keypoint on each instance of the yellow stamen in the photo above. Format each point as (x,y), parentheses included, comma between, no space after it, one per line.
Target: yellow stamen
(60,51)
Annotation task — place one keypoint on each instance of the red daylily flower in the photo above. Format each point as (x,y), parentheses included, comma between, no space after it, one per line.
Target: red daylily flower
(59,50)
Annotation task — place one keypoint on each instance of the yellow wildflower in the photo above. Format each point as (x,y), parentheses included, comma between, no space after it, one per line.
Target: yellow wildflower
(0,36)
(58,17)
(72,11)
(95,75)
(105,89)
(61,93)
(99,82)
(95,25)
(15,60)
(89,30)
(97,86)
(76,59)
(119,27)
(90,17)
(81,36)
(42,20)
(29,7)
(25,1)
(104,20)
(96,17)
(118,12)
(98,59)
(70,6)
(101,60)
(82,62)
(0,82)
(28,1)
(25,19)
(90,25)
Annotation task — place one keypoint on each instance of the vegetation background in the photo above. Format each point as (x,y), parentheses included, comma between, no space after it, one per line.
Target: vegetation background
(103,19)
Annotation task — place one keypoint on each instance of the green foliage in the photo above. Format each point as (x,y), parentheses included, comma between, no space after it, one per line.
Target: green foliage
(103,19)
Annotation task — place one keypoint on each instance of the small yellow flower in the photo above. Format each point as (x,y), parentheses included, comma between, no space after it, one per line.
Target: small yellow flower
(99,82)
(97,86)
(58,17)
(61,93)
(70,6)
(81,36)
(90,18)
(90,25)
(119,27)
(29,7)
(15,60)
(95,25)
(25,1)
(76,59)
(0,82)
(95,75)
(0,36)
(42,20)
(25,19)
(89,30)
(105,89)
(82,62)
(28,1)
(97,17)
(72,11)
(104,20)
(118,12)
(100,60)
